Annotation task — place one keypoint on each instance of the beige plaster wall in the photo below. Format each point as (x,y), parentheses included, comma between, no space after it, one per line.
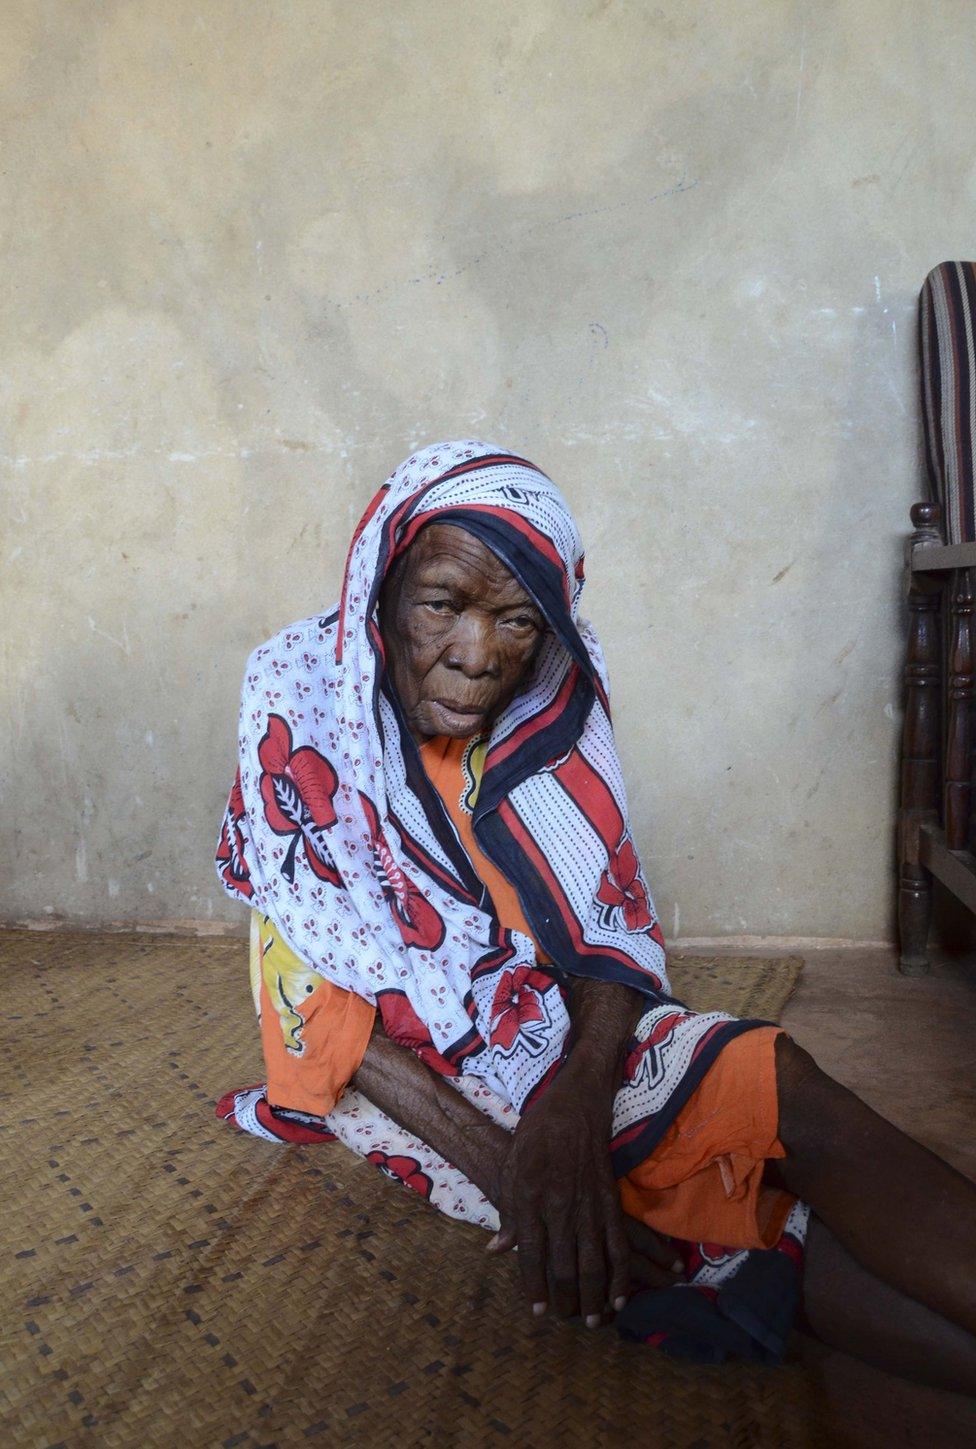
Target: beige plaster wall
(253,254)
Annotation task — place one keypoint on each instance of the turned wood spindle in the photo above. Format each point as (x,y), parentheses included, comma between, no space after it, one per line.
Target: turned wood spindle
(920,771)
(959,709)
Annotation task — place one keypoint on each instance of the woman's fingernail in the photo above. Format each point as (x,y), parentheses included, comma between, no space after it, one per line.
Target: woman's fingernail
(619,1303)
(593,1320)
(538,1309)
(493,1244)
(677,1266)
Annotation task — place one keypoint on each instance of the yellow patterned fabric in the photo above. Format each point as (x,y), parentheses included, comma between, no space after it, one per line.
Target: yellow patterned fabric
(313,1034)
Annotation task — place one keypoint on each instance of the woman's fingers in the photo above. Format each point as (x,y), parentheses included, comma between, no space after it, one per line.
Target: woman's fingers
(651,1245)
(653,1260)
(645,1274)
(618,1256)
(532,1263)
(563,1267)
(592,1270)
(583,1255)
(504,1240)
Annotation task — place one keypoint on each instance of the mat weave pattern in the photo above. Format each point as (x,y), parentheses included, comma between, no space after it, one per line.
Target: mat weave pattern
(167,1281)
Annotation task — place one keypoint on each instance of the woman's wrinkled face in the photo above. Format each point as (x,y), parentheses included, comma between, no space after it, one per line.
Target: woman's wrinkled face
(460,633)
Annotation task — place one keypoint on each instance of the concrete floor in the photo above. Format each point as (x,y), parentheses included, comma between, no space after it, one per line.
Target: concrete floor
(907,1045)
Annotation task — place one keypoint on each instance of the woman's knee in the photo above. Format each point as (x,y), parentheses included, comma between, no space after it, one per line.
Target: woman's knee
(807,1096)
(796,1070)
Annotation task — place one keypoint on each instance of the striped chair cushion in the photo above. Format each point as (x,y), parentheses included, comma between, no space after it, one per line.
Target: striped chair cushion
(947,337)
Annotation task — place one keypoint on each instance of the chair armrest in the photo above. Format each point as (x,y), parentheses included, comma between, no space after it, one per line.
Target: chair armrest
(927,558)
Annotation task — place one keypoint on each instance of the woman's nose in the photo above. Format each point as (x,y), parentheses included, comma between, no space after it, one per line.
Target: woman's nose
(472,648)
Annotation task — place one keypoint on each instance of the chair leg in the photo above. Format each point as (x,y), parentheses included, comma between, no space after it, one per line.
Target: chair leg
(958,761)
(919,755)
(914,919)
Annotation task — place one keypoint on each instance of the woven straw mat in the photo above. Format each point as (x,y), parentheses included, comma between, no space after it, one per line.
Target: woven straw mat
(169,1281)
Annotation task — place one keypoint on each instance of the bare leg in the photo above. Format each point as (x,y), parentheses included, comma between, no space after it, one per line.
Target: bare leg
(901,1212)
(850,1309)
(846,1305)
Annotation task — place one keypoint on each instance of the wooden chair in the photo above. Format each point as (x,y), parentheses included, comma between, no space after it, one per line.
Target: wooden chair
(936,824)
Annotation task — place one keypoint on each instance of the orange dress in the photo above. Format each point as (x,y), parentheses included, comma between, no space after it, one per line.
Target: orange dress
(703,1181)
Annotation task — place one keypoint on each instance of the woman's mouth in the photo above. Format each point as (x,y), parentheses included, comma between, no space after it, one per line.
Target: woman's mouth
(457,715)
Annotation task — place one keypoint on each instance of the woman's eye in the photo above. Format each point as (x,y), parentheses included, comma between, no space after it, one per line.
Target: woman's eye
(523,621)
(439,606)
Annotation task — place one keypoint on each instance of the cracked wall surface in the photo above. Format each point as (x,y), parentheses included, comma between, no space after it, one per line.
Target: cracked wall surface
(255,255)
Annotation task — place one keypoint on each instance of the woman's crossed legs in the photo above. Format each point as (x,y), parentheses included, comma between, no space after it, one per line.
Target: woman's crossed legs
(890,1266)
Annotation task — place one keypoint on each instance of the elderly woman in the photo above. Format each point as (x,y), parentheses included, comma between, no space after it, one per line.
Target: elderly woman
(459,973)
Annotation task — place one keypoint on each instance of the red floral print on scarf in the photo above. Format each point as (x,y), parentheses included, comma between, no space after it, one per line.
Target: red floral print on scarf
(418,921)
(622,889)
(297,789)
(404,1169)
(230,849)
(516,1004)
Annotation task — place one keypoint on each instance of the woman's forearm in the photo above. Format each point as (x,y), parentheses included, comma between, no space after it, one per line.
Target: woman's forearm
(604,1016)
(397,1082)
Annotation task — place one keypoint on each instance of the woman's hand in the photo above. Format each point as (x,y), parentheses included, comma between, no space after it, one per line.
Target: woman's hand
(560,1203)
(558,1197)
